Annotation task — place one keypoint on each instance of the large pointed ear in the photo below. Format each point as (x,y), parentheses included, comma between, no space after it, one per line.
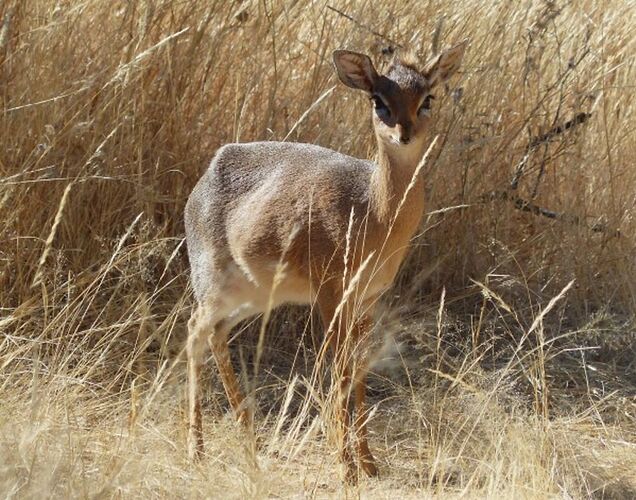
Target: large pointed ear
(355,70)
(445,64)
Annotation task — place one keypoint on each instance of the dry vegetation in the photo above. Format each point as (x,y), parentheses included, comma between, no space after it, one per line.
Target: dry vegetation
(497,377)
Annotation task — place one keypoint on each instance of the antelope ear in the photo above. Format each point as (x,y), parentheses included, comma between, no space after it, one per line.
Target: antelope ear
(355,70)
(447,62)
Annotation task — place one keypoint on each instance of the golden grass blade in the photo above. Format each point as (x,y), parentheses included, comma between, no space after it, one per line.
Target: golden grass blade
(37,279)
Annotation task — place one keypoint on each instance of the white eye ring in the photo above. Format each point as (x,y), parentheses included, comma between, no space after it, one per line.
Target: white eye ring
(425,107)
(381,108)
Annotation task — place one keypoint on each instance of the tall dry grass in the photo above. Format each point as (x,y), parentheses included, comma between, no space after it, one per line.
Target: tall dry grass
(514,384)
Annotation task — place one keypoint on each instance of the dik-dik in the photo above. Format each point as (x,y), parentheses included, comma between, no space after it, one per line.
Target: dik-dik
(273,222)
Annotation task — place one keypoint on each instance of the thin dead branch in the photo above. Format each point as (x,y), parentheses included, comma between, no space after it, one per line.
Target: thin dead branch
(526,206)
(559,129)
(548,136)
(365,27)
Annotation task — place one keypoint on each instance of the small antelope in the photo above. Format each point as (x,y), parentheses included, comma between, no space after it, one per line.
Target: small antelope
(325,216)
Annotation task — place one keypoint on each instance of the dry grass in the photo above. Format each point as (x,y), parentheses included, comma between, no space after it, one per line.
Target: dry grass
(513,386)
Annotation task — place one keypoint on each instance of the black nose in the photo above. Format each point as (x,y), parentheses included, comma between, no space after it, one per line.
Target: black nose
(405,139)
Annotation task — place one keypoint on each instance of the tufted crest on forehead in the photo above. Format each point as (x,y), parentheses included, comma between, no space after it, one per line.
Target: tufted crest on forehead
(407,58)
(406,75)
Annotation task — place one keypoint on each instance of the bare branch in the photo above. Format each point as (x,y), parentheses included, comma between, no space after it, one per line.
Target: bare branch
(525,206)
(364,26)
(543,139)
(559,129)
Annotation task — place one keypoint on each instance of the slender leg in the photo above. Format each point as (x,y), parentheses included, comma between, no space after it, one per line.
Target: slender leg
(337,340)
(203,326)
(343,372)
(221,353)
(360,369)
(195,351)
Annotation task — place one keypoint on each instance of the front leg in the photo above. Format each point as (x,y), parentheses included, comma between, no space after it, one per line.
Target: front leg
(336,338)
(360,369)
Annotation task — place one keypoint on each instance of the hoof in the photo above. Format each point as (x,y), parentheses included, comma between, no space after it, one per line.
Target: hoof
(195,455)
(369,468)
(195,449)
(351,476)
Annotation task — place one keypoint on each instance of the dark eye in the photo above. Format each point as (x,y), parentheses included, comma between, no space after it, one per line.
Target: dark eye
(381,109)
(426,105)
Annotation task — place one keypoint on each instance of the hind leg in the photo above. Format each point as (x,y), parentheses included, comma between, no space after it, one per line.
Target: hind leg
(205,326)
(221,353)
(199,327)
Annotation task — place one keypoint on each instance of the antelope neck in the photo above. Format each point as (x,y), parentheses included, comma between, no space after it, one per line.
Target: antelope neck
(390,181)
